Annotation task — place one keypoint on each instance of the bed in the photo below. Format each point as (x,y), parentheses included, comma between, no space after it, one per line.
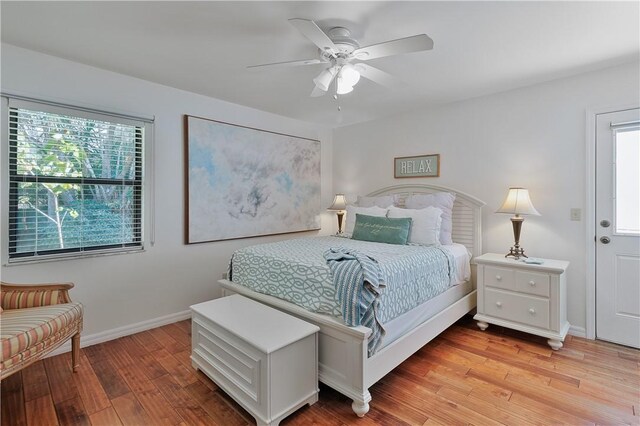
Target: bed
(345,363)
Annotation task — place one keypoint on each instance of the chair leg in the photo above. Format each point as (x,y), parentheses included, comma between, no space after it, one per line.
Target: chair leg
(75,351)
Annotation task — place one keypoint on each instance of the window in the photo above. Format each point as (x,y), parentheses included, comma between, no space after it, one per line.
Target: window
(75,182)
(627,182)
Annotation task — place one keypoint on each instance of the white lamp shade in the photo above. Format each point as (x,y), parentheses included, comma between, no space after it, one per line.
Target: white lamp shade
(324,79)
(339,203)
(346,79)
(518,202)
(342,87)
(349,75)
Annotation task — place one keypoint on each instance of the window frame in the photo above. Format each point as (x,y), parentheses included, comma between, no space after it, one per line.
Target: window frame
(142,182)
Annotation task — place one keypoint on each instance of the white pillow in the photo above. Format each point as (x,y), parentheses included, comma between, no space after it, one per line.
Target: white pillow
(443,201)
(425,224)
(384,201)
(369,211)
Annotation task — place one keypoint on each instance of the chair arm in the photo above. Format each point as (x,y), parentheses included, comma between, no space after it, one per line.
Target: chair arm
(15,296)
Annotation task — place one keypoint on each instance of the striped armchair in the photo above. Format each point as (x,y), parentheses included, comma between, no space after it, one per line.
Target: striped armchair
(35,320)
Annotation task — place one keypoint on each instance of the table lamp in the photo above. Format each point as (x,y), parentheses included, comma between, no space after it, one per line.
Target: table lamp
(517,203)
(339,205)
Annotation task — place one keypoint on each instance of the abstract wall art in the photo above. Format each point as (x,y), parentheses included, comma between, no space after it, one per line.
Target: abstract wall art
(243,182)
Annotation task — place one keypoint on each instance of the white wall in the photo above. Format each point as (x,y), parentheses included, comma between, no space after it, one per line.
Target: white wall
(126,289)
(532,137)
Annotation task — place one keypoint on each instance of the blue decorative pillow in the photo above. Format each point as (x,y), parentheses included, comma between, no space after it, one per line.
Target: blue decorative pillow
(382,229)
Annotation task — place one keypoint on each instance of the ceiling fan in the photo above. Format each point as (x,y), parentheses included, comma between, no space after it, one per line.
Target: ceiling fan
(339,51)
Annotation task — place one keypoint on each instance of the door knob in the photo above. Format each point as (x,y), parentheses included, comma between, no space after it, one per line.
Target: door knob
(605,223)
(605,240)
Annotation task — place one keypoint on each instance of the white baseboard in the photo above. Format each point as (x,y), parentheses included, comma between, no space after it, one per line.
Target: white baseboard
(574,330)
(105,336)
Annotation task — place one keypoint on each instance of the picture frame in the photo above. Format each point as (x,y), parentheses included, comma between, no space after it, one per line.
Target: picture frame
(243,182)
(416,166)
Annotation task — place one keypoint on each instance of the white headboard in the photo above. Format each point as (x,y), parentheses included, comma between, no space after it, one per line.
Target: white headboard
(467,218)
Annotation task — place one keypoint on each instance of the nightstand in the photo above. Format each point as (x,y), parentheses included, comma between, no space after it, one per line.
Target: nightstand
(525,297)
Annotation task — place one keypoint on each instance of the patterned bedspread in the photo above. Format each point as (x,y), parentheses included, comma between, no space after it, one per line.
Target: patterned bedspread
(296,271)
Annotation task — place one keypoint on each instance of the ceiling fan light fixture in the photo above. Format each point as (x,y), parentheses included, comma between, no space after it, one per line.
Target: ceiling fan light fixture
(324,79)
(349,75)
(342,87)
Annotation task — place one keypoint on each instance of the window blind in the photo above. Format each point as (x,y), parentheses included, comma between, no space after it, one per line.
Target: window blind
(75,181)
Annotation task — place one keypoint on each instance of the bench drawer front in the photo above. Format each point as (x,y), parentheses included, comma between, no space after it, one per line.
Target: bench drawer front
(521,308)
(233,364)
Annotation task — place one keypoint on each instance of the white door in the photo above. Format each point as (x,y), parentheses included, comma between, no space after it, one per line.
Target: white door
(618,227)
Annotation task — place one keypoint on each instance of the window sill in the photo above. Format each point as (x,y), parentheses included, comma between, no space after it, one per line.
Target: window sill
(71,256)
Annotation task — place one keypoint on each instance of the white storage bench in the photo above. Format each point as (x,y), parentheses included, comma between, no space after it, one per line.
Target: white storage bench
(263,358)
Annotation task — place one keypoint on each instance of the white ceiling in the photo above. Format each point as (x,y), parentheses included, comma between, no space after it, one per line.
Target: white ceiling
(204,47)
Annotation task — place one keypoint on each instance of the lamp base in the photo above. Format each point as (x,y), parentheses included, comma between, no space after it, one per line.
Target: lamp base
(340,217)
(516,252)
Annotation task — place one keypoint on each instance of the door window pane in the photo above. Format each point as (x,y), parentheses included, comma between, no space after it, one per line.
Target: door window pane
(627,144)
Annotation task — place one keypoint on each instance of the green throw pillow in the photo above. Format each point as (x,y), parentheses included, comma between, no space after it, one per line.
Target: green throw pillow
(382,229)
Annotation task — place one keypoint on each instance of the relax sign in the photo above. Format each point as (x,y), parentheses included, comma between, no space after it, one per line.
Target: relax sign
(418,166)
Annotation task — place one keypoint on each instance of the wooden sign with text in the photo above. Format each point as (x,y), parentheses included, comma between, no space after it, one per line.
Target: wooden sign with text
(417,166)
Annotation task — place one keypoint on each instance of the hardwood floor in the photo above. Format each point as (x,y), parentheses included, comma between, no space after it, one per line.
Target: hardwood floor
(465,376)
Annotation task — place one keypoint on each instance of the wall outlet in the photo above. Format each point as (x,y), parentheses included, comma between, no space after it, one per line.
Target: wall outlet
(576,214)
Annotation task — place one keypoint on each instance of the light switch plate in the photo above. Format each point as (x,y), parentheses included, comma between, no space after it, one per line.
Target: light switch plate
(576,214)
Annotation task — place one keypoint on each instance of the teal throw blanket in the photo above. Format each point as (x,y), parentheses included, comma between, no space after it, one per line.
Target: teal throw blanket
(358,282)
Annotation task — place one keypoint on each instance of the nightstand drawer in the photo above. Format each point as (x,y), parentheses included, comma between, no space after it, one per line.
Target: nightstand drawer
(532,283)
(517,307)
(499,277)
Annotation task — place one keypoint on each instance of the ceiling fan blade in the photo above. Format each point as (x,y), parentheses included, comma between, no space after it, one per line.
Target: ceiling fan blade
(289,63)
(395,47)
(378,76)
(311,31)
(317,92)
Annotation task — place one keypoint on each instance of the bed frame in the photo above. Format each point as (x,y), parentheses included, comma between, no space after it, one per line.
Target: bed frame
(343,362)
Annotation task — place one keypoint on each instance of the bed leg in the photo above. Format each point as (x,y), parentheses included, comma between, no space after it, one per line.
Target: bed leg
(360,408)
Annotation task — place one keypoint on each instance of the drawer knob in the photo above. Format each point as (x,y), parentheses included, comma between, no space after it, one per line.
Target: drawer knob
(499,304)
(532,311)
(532,283)
(498,277)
